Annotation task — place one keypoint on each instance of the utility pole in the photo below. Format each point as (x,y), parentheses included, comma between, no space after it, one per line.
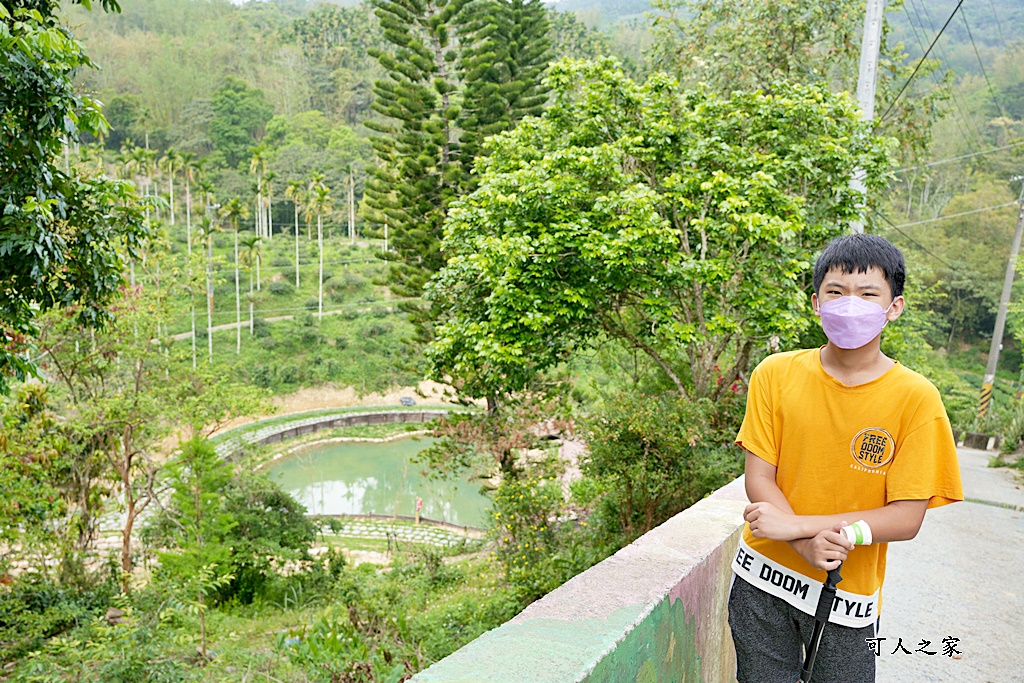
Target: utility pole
(1004,302)
(869,47)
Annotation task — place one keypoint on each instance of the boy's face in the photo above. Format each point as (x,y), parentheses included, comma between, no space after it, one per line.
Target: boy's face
(870,286)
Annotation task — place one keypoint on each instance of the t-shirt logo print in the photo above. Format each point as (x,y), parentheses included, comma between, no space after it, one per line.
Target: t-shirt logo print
(872,447)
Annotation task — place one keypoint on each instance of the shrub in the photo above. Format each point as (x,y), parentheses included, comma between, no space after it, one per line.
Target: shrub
(36,608)
(260,328)
(311,304)
(353,280)
(262,376)
(658,454)
(282,262)
(523,537)
(281,288)
(289,374)
(341,343)
(377,329)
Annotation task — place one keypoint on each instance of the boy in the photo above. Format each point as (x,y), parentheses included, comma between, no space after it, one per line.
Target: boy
(840,436)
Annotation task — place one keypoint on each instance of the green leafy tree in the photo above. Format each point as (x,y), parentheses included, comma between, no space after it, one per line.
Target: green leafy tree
(241,114)
(199,563)
(63,234)
(754,44)
(122,112)
(657,454)
(32,448)
(239,522)
(680,224)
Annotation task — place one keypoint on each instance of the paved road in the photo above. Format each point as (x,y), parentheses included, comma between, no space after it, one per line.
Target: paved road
(963,576)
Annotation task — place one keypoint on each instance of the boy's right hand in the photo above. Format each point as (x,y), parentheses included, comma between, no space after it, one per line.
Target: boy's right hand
(825,550)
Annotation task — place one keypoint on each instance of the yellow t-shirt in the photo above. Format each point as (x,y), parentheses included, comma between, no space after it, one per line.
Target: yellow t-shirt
(840,449)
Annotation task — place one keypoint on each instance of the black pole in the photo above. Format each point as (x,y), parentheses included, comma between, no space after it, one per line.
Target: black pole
(821,615)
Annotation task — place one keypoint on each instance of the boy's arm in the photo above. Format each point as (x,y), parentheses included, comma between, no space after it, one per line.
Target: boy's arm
(899,520)
(816,537)
(770,515)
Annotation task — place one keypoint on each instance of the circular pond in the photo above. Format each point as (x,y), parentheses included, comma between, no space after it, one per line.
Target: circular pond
(376,478)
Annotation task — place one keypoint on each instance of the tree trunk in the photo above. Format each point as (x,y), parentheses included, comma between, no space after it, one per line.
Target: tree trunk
(251,330)
(238,300)
(320,249)
(209,295)
(126,546)
(296,247)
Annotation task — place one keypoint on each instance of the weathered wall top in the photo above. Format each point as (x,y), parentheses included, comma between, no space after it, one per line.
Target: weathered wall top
(654,611)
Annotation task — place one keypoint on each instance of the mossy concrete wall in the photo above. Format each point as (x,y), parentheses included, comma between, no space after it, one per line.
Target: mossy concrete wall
(653,612)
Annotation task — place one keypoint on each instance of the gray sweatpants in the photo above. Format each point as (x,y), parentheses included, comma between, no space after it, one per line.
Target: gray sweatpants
(770,636)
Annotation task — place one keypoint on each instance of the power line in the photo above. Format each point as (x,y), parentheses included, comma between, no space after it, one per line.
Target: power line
(957,215)
(952,93)
(991,90)
(999,26)
(948,160)
(912,240)
(922,60)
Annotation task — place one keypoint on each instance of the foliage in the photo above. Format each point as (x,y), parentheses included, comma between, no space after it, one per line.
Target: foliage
(418,173)
(456,72)
(658,455)
(241,523)
(752,44)
(503,69)
(31,443)
(195,526)
(62,232)
(335,42)
(484,443)
(37,607)
(270,528)
(241,112)
(682,224)
(524,532)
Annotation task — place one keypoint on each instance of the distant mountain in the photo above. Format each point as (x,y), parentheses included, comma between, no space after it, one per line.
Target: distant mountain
(993,24)
(610,10)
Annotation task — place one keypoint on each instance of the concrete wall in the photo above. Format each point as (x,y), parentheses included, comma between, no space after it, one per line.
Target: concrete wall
(653,612)
(235,447)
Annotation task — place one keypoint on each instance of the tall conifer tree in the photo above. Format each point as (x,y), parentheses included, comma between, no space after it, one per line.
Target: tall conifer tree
(503,68)
(459,70)
(417,151)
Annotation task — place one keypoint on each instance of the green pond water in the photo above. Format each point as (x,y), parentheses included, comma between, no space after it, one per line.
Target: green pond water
(376,478)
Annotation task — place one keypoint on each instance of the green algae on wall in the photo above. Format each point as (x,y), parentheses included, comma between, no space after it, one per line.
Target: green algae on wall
(660,649)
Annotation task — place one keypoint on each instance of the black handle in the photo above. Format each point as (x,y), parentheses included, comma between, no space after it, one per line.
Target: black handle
(828,594)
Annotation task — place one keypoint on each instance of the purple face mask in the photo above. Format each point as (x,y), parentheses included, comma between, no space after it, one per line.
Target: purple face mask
(850,322)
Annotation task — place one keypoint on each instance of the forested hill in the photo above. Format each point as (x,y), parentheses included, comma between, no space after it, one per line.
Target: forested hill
(990,26)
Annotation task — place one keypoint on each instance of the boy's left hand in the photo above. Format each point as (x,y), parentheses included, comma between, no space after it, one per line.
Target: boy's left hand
(768,521)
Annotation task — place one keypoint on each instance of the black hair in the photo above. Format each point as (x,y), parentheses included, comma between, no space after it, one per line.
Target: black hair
(858,253)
